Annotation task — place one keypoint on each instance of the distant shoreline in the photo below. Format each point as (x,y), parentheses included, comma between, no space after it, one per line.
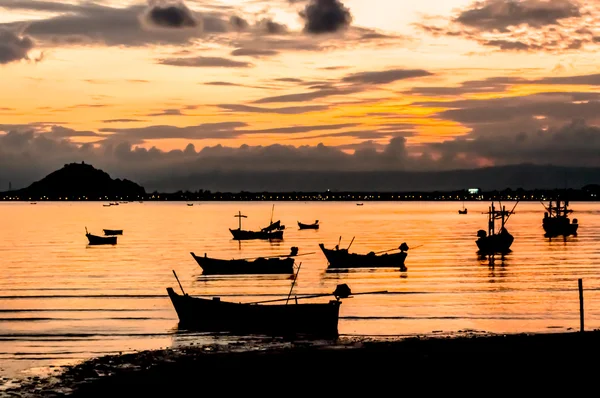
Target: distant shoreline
(589,195)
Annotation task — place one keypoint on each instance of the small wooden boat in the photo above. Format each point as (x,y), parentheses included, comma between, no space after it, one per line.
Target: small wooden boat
(341,258)
(492,242)
(261,318)
(464,209)
(113,231)
(359,204)
(107,205)
(190,204)
(273,232)
(309,226)
(100,240)
(556,220)
(259,265)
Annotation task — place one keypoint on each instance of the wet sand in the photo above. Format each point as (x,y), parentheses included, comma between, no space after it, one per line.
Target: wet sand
(566,362)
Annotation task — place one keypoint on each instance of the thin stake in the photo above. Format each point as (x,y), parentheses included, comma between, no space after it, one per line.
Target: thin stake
(181,287)
(580,283)
(293,283)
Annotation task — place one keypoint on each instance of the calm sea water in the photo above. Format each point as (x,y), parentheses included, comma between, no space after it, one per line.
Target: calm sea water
(62,301)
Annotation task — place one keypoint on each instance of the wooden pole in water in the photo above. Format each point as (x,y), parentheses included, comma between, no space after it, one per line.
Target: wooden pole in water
(293,283)
(580,283)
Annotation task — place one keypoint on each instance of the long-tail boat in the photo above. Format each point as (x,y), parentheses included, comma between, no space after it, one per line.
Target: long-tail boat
(278,317)
(259,265)
(341,258)
(113,231)
(100,240)
(314,225)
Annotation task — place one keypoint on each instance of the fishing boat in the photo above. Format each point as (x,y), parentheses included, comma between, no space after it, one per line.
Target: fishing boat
(113,231)
(278,317)
(340,258)
(100,240)
(315,225)
(492,241)
(273,232)
(260,265)
(464,209)
(556,220)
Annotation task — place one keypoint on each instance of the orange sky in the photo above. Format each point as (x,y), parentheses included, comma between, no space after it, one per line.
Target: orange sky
(104,78)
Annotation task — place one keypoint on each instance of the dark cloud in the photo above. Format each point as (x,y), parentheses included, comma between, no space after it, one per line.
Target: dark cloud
(29,152)
(573,144)
(60,132)
(175,15)
(325,16)
(349,84)
(307,96)
(489,85)
(238,23)
(14,47)
(254,52)
(224,130)
(205,62)
(535,111)
(525,25)
(290,110)
(122,120)
(167,112)
(502,14)
(89,22)
(271,27)
(220,84)
(501,84)
(384,77)
(592,80)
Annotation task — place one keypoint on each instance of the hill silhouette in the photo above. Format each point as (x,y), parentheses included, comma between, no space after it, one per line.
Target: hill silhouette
(80,180)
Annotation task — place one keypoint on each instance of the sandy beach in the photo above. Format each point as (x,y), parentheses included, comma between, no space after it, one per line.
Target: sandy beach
(496,362)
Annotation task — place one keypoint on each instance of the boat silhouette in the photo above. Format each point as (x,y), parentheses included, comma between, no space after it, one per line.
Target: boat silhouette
(556,220)
(493,241)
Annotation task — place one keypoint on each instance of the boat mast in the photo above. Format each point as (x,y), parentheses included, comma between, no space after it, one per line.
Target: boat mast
(491,218)
(240,215)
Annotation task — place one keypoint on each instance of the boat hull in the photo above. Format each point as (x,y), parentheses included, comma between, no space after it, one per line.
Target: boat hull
(214,266)
(240,234)
(342,259)
(559,226)
(214,315)
(307,226)
(498,243)
(101,240)
(113,231)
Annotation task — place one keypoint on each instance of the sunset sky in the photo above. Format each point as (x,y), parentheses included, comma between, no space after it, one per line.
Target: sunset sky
(142,88)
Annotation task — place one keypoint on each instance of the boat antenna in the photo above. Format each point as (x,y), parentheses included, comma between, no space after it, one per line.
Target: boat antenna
(272,210)
(181,287)
(339,240)
(351,243)
(293,283)
(86,231)
(512,211)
